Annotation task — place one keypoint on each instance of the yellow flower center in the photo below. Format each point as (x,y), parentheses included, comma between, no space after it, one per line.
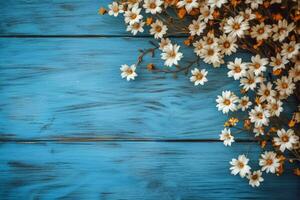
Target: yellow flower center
(129,71)
(285,138)
(278,62)
(227,102)
(210,41)
(254,177)
(256,65)
(269,161)
(275,106)
(226,44)
(210,52)
(237,69)
(199,76)
(152,5)
(241,165)
(236,26)
(260,115)
(291,49)
(267,92)
(133,16)
(261,31)
(136,25)
(284,85)
(158,29)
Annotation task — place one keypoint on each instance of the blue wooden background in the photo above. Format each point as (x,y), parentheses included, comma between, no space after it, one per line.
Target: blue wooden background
(70,128)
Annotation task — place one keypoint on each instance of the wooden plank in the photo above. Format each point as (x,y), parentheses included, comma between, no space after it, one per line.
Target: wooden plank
(72,88)
(56,17)
(148,170)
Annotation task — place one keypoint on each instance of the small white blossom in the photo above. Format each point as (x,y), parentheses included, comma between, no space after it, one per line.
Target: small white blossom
(198,77)
(226,137)
(171,55)
(227,102)
(128,72)
(255,178)
(240,166)
(286,139)
(237,69)
(259,116)
(269,162)
(158,29)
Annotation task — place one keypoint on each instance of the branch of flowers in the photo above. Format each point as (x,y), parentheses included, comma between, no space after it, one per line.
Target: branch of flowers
(179,68)
(145,52)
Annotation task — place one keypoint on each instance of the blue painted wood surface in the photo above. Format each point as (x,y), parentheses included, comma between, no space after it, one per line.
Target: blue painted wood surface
(57,17)
(135,170)
(72,87)
(63,89)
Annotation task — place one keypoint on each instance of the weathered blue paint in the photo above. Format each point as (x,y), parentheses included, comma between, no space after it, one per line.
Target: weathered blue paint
(150,170)
(72,87)
(57,17)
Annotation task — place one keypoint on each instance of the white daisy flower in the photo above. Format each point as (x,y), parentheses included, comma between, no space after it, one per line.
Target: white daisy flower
(188,4)
(294,73)
(255,178)
(275,107)
(258,130)
(133,3)
(266,92)
(206,13)
(216,3)
(236,26)
(286,139)
(132,15)
(278,62)
(226,137)
(136,27)
(164,42)
(247,14)
(254,3)
(153,6)
(237,69)
(198,47)
(227,102)
(128,72)
(171,55)
(285,86)
(158,29)
(282,30)
(261,31)
(244,103)
(249,82)
(211,55)
(198,77)
(227,44)
(240,166)
(259,116)
(269,162)
(115,9)
(197,27)
(210,40)
(290,49)
(258,64)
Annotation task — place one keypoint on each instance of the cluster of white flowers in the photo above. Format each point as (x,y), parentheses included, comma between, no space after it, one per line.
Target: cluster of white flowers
(217,29)
(269,162)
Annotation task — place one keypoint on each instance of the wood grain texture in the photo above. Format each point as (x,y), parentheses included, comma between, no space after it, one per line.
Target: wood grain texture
(56,17)
(151,170)
(72,88)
